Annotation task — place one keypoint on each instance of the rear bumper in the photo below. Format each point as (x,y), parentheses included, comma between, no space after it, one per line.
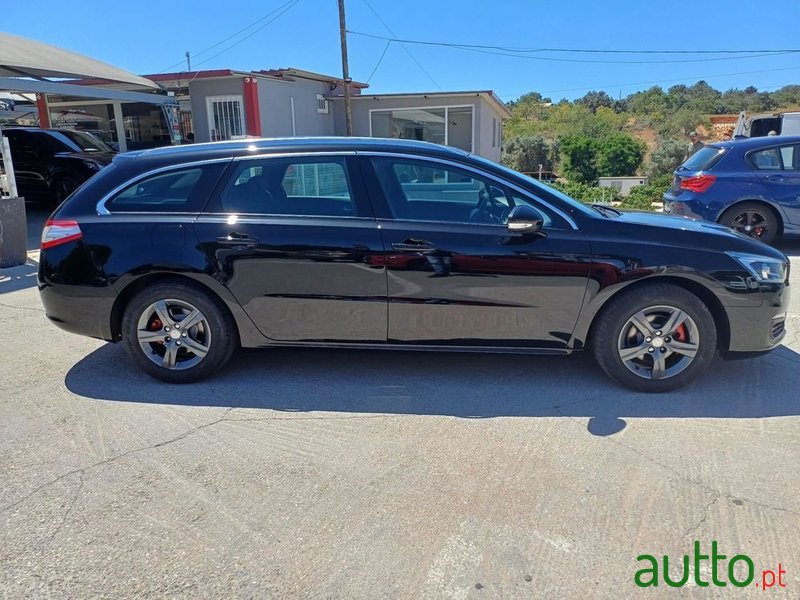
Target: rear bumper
(685,205)
(82,310)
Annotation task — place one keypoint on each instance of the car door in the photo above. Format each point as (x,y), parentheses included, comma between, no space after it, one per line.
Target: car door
(778,170)
(295,241)
(32,163)
(456,274)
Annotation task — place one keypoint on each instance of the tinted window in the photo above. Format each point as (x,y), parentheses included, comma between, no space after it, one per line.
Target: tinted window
(426,191)
(789,158)
(288,186)
(181,190)
(704,159)
(766,160)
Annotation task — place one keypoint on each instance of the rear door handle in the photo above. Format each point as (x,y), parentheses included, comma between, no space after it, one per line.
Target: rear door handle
(237,239)
(775,178)
(412,245)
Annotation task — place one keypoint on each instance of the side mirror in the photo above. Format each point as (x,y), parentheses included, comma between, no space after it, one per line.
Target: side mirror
(525,220)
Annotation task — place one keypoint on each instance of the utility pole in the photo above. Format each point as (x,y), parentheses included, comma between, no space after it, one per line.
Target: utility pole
(188,61)
(348,113)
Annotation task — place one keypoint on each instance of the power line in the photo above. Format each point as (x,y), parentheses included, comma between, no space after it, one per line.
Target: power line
(524,54)
(233,35)
(288,6)
(622,85)
(380,60)
(402,44)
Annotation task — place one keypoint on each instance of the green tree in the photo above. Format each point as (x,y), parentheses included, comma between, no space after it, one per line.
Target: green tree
(619,155)
(652,103)
(579,158)
(788,95)
(666,158)
(527,152)
(594,100)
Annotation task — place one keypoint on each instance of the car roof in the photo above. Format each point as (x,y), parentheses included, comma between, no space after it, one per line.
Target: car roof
(247,146)
(757,142)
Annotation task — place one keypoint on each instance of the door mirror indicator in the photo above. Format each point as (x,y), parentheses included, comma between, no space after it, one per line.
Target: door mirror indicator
(525,220)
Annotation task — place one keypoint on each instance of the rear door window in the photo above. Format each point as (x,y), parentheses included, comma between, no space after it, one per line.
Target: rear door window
(178,190)
(309,187)
(775,159)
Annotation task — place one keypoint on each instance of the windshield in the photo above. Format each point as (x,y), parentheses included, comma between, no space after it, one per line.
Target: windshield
(703,159)
(538,185)
(85,142)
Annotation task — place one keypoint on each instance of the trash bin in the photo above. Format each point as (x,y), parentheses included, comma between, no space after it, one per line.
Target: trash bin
(13,232)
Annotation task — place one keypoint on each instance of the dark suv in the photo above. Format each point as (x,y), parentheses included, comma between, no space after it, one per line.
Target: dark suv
(750,185)
(49,164)
(185,254)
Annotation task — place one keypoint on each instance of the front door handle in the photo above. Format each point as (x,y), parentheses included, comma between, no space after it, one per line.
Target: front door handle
(775,178)
(413,245)
(237,239)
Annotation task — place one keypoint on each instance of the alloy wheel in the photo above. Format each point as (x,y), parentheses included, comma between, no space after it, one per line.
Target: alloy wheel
(173,334)
(658,342)
(752,223)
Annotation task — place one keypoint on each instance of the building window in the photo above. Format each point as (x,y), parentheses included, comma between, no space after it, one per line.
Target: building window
(225,117)
(448,125)
(494,133)
(322,104)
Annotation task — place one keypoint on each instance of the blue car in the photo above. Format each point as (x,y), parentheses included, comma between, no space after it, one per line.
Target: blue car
(750,185)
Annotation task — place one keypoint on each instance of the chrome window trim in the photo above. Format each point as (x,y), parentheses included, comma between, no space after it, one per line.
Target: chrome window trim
(307,153)
(480,172)
(101,205)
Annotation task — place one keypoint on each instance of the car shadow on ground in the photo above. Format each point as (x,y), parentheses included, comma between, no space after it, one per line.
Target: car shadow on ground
(22,277)
(470,386)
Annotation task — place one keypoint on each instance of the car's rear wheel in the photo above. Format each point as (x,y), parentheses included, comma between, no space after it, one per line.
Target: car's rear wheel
(178,333)
(753,219)
(655,338)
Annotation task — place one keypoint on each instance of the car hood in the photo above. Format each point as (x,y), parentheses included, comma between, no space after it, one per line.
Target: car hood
(104,158)
(687,227)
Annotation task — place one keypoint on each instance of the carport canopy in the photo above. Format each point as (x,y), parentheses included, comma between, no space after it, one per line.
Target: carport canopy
(30,66)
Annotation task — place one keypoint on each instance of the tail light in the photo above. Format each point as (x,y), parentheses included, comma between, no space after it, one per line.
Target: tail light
(698,183)
(60,231)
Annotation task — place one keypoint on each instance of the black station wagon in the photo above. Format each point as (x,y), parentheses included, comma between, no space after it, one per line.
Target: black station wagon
(186,254)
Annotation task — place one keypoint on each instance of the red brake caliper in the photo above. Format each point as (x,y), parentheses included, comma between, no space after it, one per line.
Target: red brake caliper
(680,333)
(156,325)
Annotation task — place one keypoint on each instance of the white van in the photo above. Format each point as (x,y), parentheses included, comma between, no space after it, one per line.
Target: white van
(760,125)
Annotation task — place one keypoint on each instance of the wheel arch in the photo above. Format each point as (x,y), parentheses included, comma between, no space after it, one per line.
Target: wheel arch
(692,286)
(248,334)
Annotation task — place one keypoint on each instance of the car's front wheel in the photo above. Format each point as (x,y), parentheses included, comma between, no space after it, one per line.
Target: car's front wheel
(655,338)
(178,333)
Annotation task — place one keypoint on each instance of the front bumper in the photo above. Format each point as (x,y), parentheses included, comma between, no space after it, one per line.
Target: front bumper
(759,328)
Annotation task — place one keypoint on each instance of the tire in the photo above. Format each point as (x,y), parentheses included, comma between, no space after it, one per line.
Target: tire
(152,335)
(631,346)
(754,219)
(61,189)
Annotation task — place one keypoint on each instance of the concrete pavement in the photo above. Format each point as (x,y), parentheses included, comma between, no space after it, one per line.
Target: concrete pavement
(344,474)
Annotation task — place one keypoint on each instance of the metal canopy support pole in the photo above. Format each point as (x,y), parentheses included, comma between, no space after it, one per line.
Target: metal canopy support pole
(44,110)
(120,127)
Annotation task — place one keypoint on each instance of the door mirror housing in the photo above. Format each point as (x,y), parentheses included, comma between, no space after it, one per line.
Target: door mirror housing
(525,220)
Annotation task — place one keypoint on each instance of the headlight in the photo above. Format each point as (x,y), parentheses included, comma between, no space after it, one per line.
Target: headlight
(763,268)
(92,166)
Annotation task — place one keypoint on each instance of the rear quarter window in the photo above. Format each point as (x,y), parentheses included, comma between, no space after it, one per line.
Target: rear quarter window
(704,159)
(183,189)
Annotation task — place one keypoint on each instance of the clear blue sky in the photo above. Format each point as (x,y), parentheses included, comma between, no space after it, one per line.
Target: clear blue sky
(148,36)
